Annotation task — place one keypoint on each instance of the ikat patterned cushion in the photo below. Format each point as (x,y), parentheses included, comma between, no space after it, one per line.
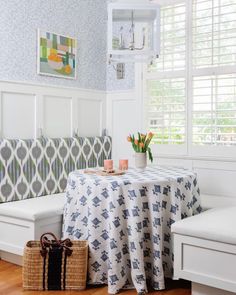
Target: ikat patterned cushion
(34,168)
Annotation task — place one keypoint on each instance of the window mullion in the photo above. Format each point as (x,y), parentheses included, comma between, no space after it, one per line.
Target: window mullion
(189,74)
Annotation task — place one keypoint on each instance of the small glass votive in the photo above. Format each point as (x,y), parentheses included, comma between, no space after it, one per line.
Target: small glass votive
(123,164)
(108,165)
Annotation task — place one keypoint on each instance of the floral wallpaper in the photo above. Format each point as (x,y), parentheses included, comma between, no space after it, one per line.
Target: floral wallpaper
(85,20)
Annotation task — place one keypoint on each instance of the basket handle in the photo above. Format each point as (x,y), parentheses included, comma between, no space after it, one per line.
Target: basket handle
(46,243)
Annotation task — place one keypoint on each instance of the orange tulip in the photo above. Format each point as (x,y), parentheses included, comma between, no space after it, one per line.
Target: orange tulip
(150,134)
(136,141)
(141,144)
(129,139)
(143,136)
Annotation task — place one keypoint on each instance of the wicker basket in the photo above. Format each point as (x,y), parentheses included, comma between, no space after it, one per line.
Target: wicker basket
(59,265)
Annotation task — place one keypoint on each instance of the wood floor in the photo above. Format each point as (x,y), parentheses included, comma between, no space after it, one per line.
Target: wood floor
(10,284)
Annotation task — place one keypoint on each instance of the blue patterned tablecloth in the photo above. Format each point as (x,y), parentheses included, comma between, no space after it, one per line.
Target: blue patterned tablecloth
(126,220)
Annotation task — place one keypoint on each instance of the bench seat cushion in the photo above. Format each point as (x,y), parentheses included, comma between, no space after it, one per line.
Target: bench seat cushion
(35,208)
(215,224)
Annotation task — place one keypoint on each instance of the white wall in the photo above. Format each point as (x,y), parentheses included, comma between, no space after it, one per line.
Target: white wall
(121,121)
(85,20)
(31,110)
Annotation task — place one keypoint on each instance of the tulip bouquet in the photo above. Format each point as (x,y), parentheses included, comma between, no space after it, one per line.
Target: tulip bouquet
(141,144)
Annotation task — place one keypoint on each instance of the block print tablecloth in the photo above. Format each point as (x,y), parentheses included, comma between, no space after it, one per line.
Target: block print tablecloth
(127,221)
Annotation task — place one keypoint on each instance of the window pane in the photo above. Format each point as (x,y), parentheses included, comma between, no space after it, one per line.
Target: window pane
(214,110)
(214,33)
(213,113)
(173,35)
(166,111)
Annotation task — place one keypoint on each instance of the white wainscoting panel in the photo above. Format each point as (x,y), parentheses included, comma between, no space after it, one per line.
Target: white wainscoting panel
(89,117)
(31,110)
(123,124)
(122,120)
(216,178)
(222,182)
(18,115)
(57,112)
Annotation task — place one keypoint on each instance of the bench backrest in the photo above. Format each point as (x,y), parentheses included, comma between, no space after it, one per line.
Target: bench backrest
(34,168)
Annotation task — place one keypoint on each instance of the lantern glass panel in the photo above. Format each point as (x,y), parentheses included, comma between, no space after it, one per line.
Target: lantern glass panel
(133,30)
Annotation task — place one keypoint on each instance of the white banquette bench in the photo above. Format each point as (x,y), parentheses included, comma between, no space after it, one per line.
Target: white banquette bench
(33,177)
(205,251)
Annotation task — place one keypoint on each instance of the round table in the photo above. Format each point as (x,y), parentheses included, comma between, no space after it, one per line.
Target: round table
(127,221)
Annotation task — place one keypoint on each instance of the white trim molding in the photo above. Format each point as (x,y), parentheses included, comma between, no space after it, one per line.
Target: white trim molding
(69,102)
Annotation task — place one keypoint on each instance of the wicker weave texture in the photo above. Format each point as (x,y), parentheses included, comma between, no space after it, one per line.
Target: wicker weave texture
(76,267)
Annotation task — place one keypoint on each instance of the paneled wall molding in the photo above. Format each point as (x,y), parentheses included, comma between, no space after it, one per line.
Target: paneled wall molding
(30,110)
(48,86)
(216,178)
(114,98)
(122,119)
(51,111)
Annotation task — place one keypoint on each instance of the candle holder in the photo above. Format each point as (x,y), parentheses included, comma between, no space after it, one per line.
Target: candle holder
(123,164)
(108,165)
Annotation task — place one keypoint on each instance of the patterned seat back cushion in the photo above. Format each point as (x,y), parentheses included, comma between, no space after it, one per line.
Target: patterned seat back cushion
(34,168)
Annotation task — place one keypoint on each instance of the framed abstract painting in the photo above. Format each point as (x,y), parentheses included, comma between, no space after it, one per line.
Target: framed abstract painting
(56,55)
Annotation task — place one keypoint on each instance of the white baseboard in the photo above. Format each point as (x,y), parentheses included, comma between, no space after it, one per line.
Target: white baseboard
(12,258)
(198,289)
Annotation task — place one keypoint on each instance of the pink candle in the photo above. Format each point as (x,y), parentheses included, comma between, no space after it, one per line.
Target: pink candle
(108,165)
(123,164)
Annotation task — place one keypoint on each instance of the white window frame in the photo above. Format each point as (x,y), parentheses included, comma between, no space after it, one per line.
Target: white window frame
(187,150)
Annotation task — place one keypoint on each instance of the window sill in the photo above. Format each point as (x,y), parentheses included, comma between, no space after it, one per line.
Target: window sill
(198,158)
